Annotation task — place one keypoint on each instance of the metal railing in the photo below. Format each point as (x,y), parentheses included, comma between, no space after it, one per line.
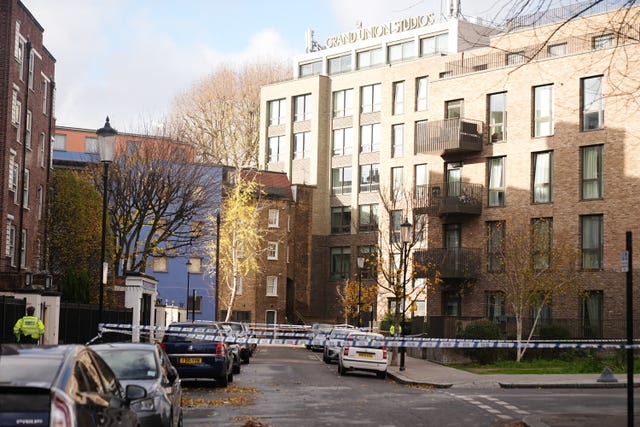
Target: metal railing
(449,135)
(441,199)
(451,263)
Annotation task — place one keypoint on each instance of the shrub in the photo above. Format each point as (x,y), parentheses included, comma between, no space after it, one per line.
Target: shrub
(483,330)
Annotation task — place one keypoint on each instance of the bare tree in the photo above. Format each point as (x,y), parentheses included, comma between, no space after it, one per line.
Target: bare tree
(220,115)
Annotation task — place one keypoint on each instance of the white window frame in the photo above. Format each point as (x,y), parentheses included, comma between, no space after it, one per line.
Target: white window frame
(10,244)
(370,138)
(342,142)
(272,251)
(398,97)
(343,103)
(272,286)
(397,140)
(422,93)
(274,218)
(25,190)
(276,148)
(43,144)
(301,145)
(40,201)
(302,108)
(370,98)
(277,112)
(45,94)
(543,111)
(23,249)
(27,135)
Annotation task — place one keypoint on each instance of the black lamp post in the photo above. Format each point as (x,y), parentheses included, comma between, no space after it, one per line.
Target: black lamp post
(405,236)
(360,261)
(188,280)
(107,148)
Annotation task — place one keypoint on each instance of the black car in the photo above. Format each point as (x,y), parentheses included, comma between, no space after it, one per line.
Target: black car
(241,331)
(198,351)
(147,365)
(65,386)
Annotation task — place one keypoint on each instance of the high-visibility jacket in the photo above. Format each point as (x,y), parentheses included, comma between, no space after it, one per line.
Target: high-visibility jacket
(392,329)
(29,326)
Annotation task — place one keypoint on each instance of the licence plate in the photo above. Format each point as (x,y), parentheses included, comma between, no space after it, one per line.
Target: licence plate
(189,360)
(368,355)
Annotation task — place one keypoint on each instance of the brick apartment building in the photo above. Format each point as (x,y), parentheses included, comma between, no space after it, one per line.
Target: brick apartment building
(482,126)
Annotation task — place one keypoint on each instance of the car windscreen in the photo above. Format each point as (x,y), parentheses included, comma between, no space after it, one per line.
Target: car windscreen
(362,340)
(129,364)
(188,335)
(26,369)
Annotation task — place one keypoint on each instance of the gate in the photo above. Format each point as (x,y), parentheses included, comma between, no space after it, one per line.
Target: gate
(11,309)
(79,322)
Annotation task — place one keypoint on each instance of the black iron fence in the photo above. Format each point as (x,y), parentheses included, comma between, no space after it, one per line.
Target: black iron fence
(79,322)
(11,309)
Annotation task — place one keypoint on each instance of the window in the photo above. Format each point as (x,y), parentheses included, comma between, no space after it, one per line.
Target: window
(542,241)
(276,149)
(302,107)
(420,181)
(395,218)
(398,98)
(19,53)
(454,109)
(341,180)
(16,110)
(369,254)
(592,103)
(45,94)
(592,242)
(342,141)
(480,67)
(543,110)
(25,189)
(14,170)
(452,303)
(274,218)
(272,251)
(454,179)
(592,179)
(90,144)
(271,316)
(368,217)
(592,310)
(369,178)
(341,219)
(402,51)
(542,177)
(160,264)
(369,58)
(302,145)
(422,93)
(396,183)
(497,188)
(603,41)
(435,45)
(420,227)
(60,142)
(495,306)
(495,246)
(27,135)
(397,140)
(514,58)
(133,148)
(277,112)
(272,286)
(370,138)
(10,248)
(40,202)
(340,64)
(23,249)
(311,69)
(340,263)
(32,61)
(498,116)
(558,49)
(343,103)
(43,149)
(196,265)
(370,97)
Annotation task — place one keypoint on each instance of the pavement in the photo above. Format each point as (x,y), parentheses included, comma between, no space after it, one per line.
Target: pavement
(426,373)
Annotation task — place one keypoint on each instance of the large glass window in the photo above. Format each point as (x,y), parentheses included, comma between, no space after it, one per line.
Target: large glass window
(420,181)
(276,149)
(341,180)
(272,288)
(398,98)
(603,41)
(277,112)
(397,140)
(454,109)
(369,177)
(495,243)
(302,145)
(495,305)
(340,64)
(592,242)
(343,103)
(592,310)
(543,110)
(370,138)
(592,103)
(302,107)
(498,116)
(497,187)
(370,97)
(402,51)
(396,183)
(592,179)
(435,45)
(395,221)
(340,263)
(369,58)
(91,145)
(342,141)
(370,256)
(311,69)
(341,219)
(542,177)
(422,93)
(368,217)
(452,303)
(541,244)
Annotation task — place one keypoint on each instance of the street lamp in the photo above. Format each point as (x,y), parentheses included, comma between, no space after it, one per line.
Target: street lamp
(360,261)
(188,279)
(107,148)
(405,236)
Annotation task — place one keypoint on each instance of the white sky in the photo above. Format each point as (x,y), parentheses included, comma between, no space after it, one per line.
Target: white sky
(129,58)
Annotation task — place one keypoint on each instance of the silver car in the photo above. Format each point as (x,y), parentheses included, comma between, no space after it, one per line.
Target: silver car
(334,342)
(147,365)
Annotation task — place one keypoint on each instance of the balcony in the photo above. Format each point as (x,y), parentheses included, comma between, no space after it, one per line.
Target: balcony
(449,198)
(449,136)
(451,263)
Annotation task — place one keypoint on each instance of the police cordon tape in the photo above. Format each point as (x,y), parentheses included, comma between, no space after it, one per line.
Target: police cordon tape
(261,336)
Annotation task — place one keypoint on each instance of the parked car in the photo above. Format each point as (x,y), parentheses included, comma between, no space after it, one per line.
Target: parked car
(64,386)
(334,340)
(198,351)
(147,365)
(363,351)
(317,335)
(233,346)
(241,330)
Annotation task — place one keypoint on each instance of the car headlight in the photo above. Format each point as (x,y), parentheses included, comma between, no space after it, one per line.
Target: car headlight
(143,405)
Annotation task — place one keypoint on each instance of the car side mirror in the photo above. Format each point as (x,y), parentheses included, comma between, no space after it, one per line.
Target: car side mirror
(172,374)
(134,392)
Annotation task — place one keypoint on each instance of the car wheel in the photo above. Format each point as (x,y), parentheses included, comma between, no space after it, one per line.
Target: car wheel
(236,366)
(325,359)
(382,375)
(180,422)
(246,358)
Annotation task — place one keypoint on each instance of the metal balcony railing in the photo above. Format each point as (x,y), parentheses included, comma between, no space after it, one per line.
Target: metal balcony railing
(451,263)
(449,136)
(449,198)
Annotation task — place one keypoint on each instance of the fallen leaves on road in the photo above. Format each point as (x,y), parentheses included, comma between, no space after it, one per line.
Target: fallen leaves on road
(228,400)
